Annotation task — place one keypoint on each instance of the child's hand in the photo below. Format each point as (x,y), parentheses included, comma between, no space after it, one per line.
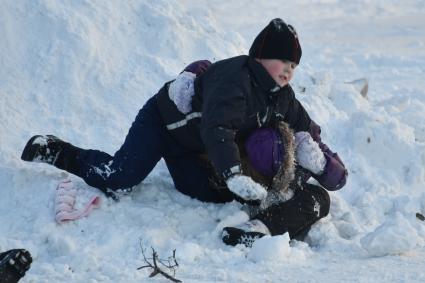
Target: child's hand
(308,153)
(181,91)
(246,188)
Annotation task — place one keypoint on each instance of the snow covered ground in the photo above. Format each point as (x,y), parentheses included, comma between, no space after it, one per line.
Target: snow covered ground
(82,69)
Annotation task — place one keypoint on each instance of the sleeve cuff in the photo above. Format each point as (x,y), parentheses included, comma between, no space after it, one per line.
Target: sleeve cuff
(235,170)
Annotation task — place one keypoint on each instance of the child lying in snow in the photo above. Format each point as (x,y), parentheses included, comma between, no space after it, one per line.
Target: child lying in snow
(283,162)
(234,97)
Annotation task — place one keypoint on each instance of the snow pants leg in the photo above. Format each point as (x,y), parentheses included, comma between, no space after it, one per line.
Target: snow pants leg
(146,143)
(192,176)
(140,152)
(297,214)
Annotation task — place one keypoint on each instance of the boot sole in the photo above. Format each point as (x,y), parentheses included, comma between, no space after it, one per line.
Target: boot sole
(14,264)
(30,149)
(233,236)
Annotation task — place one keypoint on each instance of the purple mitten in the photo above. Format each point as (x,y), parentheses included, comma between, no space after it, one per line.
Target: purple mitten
(335,175)
(198,67)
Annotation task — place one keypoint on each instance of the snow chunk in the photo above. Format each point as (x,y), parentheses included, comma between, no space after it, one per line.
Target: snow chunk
(42,141)
(269,248)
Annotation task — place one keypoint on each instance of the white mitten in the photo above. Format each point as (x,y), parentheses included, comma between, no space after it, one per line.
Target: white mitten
(246,188)
(181,91)
(308,153)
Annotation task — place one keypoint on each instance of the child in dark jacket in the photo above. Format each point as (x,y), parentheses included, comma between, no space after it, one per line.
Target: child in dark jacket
(283,162)
(280,161)
(200,141)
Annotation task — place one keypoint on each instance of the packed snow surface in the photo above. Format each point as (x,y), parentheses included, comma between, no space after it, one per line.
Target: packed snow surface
(82,69)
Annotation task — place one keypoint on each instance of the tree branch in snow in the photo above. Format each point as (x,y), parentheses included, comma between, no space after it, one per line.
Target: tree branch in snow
(170,264)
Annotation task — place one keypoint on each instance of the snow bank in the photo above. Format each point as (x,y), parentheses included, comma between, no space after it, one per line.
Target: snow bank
(394,236)
(81,70)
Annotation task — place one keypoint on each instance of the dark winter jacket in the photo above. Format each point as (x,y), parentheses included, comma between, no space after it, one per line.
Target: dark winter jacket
(232,98)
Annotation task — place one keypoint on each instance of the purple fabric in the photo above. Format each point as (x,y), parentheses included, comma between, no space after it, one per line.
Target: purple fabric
(335,175)
(315,131)
(265,151)
(198,67)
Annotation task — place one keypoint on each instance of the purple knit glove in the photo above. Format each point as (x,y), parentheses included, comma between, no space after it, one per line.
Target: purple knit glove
(198,67)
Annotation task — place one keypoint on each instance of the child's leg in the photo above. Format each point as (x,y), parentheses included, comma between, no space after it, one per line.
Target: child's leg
(140,152)
(194,177)
(142,149)
(297,214)
(294,216)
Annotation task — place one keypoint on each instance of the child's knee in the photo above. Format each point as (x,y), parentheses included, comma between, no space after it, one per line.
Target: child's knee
(321,196)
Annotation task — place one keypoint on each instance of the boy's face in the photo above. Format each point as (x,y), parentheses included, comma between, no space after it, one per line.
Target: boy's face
(281,71)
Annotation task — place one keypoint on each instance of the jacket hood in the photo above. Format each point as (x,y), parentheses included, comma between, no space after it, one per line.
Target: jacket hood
(278,185)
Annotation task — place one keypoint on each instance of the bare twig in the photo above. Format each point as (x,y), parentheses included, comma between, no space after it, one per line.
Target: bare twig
(170,264)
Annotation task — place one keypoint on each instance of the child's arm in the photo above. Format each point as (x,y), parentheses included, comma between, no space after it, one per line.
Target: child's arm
(197,67)
(335,174)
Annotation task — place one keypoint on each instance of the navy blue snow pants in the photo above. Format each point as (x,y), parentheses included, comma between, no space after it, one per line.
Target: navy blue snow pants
(146,143)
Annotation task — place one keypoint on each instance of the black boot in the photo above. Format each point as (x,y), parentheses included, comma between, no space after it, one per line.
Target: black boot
(43,149)
(52,150)
(246,233)
(233,236)
(13,265)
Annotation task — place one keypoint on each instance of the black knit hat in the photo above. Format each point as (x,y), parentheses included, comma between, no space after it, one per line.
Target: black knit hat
(277,41)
